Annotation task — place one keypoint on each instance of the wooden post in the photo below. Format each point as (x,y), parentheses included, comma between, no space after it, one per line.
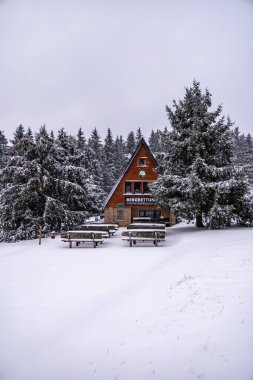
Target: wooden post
(130,239)
(156,239)
(40,233)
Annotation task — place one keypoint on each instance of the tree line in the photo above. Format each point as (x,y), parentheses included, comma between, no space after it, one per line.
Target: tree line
(53,182)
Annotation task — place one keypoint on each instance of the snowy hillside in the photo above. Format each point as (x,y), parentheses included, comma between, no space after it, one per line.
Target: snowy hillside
(181,311)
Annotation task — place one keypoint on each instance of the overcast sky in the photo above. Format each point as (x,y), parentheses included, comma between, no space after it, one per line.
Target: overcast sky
(77,63)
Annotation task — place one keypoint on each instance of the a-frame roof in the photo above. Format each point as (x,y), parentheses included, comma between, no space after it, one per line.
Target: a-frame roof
(141,142)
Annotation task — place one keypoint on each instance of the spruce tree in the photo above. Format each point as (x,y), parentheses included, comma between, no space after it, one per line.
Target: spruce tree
(109,172)
(197,178)
(3,149)
(95,143)
(120,156)
(81,142)
(130,143)
(243,153)
(249,157)
(21,197)
(138,135)
(18,134)
(94,158)
(29,134)
(155,141)
(239,148)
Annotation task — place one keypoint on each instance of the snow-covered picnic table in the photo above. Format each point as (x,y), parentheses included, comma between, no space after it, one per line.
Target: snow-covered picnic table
(110,228)
(144,234)
(78,237)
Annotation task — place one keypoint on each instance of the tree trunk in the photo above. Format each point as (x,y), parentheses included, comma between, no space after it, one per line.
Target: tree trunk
(199,222)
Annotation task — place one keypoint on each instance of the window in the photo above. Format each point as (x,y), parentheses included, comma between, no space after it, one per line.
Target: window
(137,187)
(145,188)
(128,187)
(154,214)
(142,161)
(150,213)
(120,214)
(157,213)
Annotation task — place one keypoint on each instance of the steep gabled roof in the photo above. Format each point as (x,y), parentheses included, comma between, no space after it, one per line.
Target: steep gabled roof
(141,142)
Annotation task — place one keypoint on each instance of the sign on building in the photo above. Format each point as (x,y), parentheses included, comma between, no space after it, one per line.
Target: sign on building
(139,201)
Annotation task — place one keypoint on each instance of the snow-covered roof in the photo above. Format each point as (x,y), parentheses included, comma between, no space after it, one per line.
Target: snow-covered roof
(141,142)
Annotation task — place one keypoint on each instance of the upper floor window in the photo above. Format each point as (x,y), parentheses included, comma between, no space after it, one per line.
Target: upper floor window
(146,188)
(142,161)
(128,187)
(137,187)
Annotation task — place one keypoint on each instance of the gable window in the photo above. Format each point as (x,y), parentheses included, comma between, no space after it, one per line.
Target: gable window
(142,161)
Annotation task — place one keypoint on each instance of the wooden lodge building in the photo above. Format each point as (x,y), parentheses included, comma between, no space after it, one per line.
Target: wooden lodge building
(130,198)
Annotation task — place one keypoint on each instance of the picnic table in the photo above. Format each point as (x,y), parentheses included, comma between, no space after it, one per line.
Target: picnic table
(78,237)
(144,234)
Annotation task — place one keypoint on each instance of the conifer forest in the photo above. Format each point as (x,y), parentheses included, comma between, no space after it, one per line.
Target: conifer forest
(50,181)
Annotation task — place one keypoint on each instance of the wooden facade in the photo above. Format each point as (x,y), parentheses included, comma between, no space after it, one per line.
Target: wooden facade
(130,198)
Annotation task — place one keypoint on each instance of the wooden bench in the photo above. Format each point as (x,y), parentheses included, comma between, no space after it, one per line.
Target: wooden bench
(78,237)
(134,235)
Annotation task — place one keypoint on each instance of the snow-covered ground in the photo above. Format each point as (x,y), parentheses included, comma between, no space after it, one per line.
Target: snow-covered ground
(181,311)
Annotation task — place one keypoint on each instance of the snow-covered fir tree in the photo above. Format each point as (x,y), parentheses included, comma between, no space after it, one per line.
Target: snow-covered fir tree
(42,187)
(130,143)
(81,141)
(109,171)
(243,153)
(239,149)
(95,143)
(94,158)
(120,156)
(138,135)
(155,141)
(91,160)
(3,149)
(249,157)
(29,134)
(18,134)
(20,199)
(197,178)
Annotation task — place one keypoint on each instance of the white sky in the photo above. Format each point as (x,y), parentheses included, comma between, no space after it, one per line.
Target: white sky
(72,63)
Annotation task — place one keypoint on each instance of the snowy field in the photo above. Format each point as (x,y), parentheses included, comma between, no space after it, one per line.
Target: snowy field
(181,311)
